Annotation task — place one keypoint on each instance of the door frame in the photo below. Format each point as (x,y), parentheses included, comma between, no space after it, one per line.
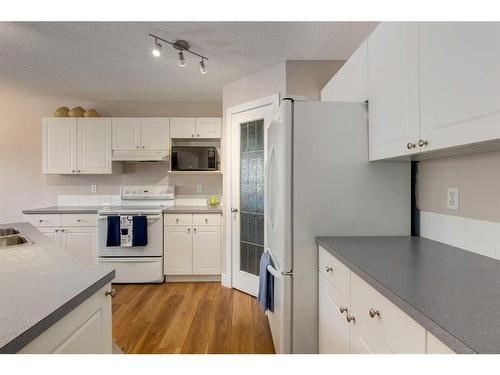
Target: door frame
(227,269)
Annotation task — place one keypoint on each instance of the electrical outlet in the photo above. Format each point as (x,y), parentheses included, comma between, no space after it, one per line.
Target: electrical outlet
(93,189)
(453,198)
(199,188)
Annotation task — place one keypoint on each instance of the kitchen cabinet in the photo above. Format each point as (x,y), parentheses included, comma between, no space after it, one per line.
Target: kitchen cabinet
(208,127)
(178,245)
(76,146)
(141,134)
(80,242)
(350,83)
(394,126)
(188,127)
(363,321)
(74,233)
(459,83)
(334,332)
(87,329)
(206,250)
(192,244)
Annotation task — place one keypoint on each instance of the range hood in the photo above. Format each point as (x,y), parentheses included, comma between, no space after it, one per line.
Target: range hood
(140,155)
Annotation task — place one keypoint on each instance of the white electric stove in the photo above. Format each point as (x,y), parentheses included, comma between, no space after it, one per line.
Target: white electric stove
(137,264)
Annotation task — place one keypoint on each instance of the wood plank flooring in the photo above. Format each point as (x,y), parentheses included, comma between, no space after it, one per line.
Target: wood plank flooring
(189,318)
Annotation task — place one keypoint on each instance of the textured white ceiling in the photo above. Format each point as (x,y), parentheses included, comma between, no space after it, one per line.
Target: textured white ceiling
(113,61)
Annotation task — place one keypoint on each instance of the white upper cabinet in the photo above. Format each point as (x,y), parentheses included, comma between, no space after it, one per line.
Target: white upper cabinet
(94,145)
(350,83)
(188,127)
(393,90)
(459,83)
(183,127)
(209,127)
(59,145)
(73,146)
(155,133)
(126,134)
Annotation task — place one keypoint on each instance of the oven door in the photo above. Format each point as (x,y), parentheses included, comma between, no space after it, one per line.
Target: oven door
(154,248)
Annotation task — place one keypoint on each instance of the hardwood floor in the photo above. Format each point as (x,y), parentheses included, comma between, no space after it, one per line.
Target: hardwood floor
(188,318)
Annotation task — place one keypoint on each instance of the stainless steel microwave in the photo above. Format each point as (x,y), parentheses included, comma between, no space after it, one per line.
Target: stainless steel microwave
(194,158)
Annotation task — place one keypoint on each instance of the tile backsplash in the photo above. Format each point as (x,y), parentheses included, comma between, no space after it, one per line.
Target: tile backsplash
(88,200)
(478,236)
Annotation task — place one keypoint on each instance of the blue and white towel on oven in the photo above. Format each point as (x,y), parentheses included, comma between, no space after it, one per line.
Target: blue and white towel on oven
(126,230)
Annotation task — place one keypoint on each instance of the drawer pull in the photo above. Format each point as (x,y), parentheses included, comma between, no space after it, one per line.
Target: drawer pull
(177,221)
(343,309)
(206,221)
(373,312)
(329,269)
(78,220)
(41,221)
(111,292)
(350,318)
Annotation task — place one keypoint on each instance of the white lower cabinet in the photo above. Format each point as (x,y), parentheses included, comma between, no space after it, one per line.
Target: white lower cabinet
(76,234)
(178,243)
(334,332)
(192,244)
(85,330)
(368,322)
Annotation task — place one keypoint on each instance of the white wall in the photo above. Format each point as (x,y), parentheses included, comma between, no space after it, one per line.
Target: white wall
(22,184)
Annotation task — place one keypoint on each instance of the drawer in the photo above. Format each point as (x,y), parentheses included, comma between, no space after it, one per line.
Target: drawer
(48,220)
(399,332)
(206,219)
(178,219)
(335,272)
(365,341)
(78,220)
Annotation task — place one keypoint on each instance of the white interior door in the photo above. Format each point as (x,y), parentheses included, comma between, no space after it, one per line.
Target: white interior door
(249,144)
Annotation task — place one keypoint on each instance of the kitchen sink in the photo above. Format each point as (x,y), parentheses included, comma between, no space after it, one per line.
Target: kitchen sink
(14,240)
(8,231)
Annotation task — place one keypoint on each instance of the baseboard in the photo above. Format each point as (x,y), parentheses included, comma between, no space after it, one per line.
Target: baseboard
(191,278)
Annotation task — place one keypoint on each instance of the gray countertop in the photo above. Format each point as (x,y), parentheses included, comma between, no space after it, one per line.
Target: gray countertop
(95,209)
(453,293)
(40,284)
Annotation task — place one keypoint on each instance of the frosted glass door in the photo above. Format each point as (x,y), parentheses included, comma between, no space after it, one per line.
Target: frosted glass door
(251,195)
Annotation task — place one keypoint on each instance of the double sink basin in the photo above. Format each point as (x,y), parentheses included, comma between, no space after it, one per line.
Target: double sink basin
(11,237)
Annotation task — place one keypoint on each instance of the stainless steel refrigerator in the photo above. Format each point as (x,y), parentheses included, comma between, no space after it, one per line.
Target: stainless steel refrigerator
(319,182)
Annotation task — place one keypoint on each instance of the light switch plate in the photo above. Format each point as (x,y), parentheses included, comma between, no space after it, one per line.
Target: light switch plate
(93,189)
(452,198)
(199,188)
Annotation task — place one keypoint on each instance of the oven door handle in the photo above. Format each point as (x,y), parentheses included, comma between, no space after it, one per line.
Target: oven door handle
(149,217)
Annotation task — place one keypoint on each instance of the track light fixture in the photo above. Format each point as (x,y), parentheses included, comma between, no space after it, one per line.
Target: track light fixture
(180,45)
(203,68)
(157,49)
(182,60)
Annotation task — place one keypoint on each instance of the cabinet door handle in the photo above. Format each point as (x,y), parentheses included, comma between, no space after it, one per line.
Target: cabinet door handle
(373,313)
(78,171)
(111,292)
(343,309)
(78,220)
(56,230)
(137,147)
(350,318)
(73,171)
(206,221)
(198,135)
(192,135)
(142,146)
(410,145)
(194,230)
(177,221)
(63,230)
(329,269)
(422,143)
(189,230)
(41,220)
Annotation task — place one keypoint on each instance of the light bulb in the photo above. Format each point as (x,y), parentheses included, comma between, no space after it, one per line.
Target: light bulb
(182,60)
(203,68)
(157,49)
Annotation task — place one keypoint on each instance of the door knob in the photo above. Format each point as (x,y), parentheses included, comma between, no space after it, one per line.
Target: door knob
(234,210)
(410,145)
(422,143)
(373,312)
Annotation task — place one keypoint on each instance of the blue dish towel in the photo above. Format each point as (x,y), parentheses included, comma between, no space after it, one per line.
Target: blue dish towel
(113,237)
(140,231)
(266,284)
